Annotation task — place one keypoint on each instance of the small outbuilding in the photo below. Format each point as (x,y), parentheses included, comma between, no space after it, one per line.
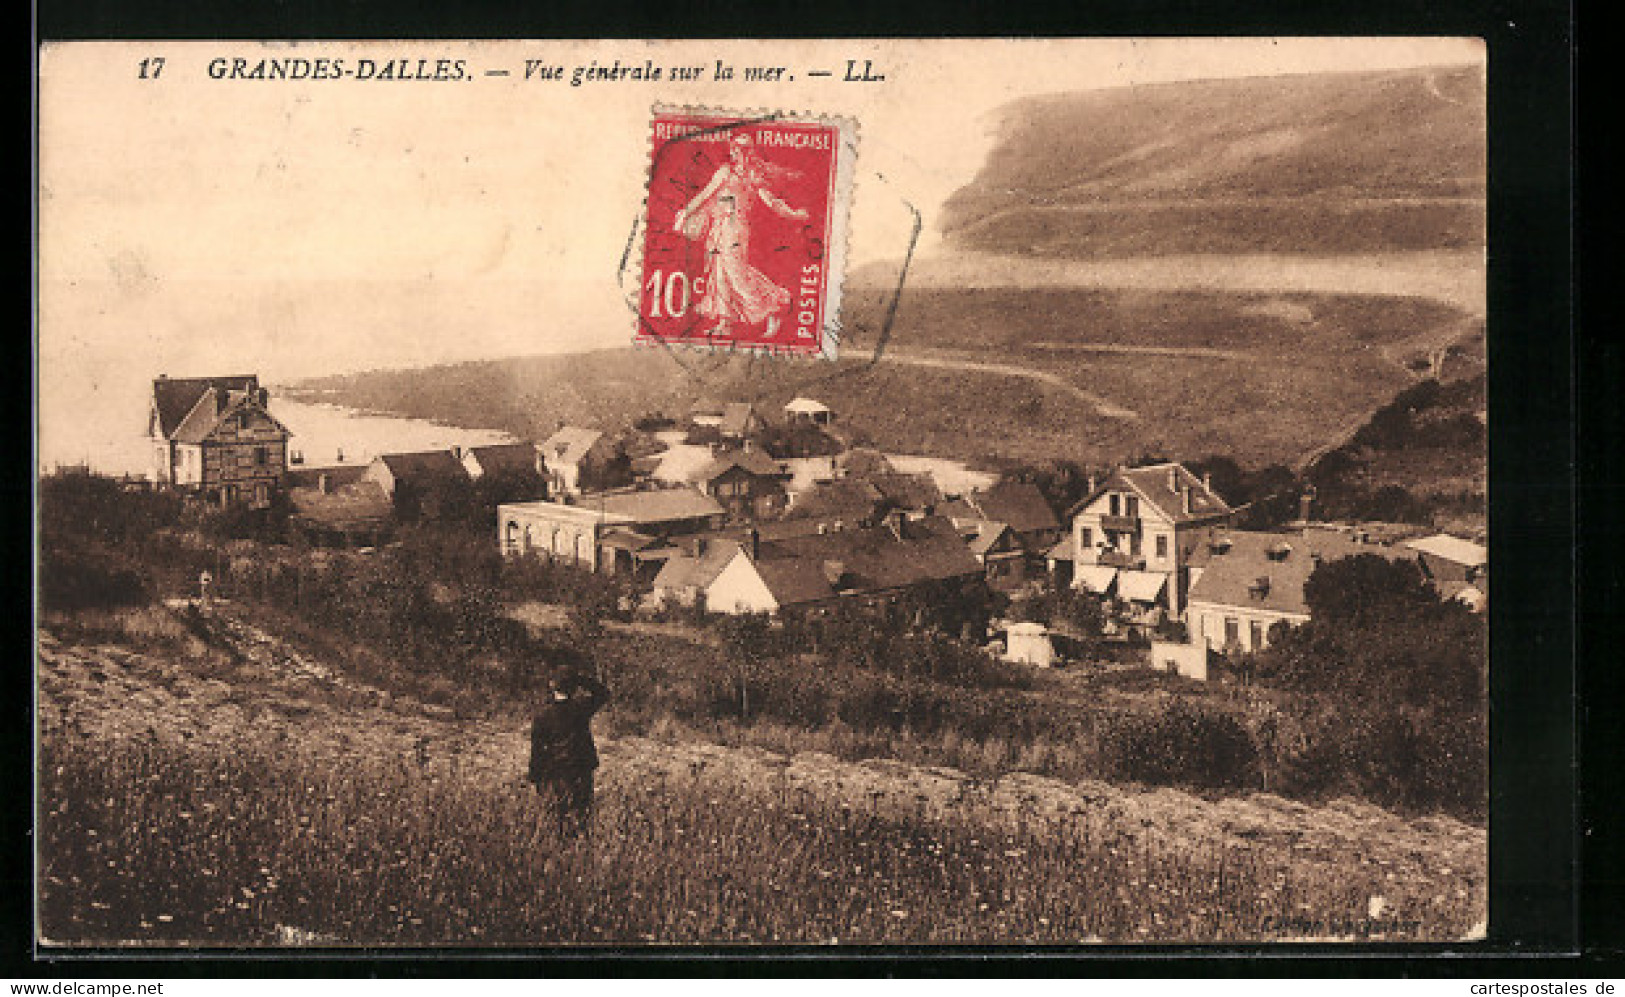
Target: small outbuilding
(1029,643)
(805,409)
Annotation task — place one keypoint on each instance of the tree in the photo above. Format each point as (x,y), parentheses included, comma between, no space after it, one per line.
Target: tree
(748,640)
(1355,588)
(1062,482)
(1228,478)
(614,472)
(1378,632)
(1394,689)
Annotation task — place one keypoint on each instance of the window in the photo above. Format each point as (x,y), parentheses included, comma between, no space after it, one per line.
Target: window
(1256,629)
(1162,545)
(1086,538)
(1117,504)
(1131,506)
(262,456)
(1232,630)
(1134,544)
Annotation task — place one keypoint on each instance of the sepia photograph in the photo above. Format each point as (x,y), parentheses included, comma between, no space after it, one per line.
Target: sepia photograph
(818,492)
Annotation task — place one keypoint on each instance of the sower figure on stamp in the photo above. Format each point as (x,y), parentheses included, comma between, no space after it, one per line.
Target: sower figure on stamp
(735,291)
(563,756)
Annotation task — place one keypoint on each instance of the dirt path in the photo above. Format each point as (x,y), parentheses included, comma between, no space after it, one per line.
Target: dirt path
(1190,352)
(1103,406)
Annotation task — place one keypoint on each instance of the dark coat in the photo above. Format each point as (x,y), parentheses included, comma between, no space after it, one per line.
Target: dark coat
(561,744)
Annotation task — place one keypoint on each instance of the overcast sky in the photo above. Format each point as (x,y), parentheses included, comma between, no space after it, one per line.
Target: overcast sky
(189,225)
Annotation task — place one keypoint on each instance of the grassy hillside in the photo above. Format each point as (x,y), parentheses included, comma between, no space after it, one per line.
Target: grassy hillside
(1039,321)
(188,799)
(1183,406)
(1338,162)
(1263,378)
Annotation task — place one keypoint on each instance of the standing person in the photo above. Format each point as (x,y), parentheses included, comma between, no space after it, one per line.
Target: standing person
(563,756)
(735,291)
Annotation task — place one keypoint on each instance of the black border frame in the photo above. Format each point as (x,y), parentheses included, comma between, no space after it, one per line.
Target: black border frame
(1535,375)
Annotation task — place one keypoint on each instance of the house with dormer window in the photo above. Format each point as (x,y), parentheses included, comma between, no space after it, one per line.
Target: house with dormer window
(1135,534)
(216,438)
(1250,581)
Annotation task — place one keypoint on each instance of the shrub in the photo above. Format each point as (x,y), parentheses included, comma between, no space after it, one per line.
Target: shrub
(1185,744)
(74,578)
(1405,757)
(94,507)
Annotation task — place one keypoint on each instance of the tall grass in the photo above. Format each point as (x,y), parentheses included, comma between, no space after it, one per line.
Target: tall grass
(154,841)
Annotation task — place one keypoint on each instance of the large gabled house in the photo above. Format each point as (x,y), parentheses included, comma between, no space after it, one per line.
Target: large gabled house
(215,437)
(576,459)
(1133,536)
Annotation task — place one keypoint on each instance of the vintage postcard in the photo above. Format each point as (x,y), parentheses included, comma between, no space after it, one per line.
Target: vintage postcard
(800,492)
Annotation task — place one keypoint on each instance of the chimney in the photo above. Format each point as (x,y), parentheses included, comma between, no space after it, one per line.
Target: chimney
(1091,485)
(1207,480)
(341,455)
(754,543)
(1173,480)
(1304,502)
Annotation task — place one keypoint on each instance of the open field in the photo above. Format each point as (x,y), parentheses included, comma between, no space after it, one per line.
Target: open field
(1260,225)
(191,798)
(1450,277)
(1263,325)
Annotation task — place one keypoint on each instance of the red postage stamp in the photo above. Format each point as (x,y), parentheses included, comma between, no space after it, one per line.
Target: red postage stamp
(744,237)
